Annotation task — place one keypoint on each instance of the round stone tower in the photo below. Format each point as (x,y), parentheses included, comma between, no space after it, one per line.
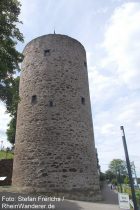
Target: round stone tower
(55,151)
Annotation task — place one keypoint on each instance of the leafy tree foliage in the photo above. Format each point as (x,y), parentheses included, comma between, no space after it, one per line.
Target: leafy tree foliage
(12,103)
(114,181)
(10,59)
(110,175)
(117,166)
(10,95)
(9,35)
(126,180)
(102,176)
(118,171)
(11,131)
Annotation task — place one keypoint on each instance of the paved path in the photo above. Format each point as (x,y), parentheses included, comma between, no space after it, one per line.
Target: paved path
(80,205)
(109,196)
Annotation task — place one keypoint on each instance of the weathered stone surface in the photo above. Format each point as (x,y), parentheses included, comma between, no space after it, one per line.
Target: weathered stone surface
(55,148)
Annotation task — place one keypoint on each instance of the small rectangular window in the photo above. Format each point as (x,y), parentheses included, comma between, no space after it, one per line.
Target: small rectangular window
(47,52)
(83,100)
(34,99)
(51,103)
(85,64)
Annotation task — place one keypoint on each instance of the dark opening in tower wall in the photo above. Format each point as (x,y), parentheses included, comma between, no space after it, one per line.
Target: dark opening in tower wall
(51,103)
(83,100)
(47,52)
(85,64)
(34,99)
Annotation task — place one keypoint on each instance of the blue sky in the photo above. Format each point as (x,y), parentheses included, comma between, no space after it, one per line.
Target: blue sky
(110,33)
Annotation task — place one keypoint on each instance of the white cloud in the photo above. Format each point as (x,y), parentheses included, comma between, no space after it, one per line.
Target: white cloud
(107,129)
(102,87)
(122,43)
(115,87)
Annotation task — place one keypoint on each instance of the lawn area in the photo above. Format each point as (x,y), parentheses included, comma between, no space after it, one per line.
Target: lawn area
(6,155)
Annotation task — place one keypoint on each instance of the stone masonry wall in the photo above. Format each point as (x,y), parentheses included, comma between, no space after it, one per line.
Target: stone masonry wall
(55,149)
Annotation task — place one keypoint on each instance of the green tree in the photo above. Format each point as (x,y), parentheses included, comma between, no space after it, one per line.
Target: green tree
(12,103)
(10,59)
(10,95)
(102,176)
(114,181)
(126,180)
(110,175)
(118,166)
(11,131)
(9,36)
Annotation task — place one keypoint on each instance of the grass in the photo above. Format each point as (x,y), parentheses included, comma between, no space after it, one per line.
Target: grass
(6,155)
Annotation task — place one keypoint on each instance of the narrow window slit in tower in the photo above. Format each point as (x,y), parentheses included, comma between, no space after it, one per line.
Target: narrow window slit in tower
(47,52)
(85,64)
(34,99)
(83,100)
(51,103)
